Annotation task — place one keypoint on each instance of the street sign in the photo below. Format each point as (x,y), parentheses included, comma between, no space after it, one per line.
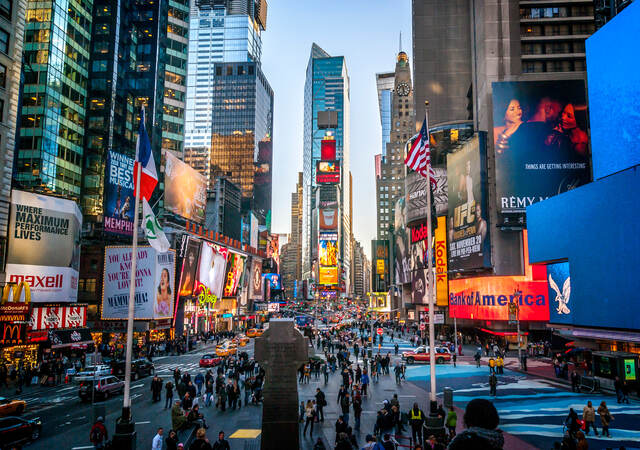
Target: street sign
(380,331)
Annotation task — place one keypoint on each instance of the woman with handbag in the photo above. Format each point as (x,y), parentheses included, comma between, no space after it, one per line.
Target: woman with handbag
(605,418)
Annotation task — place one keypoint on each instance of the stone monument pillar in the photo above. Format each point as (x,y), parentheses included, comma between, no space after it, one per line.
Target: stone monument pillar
(280,351)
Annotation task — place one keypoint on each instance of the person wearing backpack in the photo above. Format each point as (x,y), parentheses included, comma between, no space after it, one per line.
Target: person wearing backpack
(98,434)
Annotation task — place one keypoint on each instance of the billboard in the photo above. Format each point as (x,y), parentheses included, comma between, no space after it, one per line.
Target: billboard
(328,219)
(211,269)
(418,267)
(154,283)
(235,269)
(468,238)
(328,149)
(540,140)
(50,317)
(416,195)
(488,298)
(255,280)
(185,189)
(274,281)
(559,290)
(44,246)
(440,251)
(328,275)
(189,267)
(402,273)
(328,172)
(380,258)
(328,251)
(118,194)
(613,80)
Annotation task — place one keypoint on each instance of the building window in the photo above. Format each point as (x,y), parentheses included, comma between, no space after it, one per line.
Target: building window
(3,76)
(4,41)
(1,111)
(5,9)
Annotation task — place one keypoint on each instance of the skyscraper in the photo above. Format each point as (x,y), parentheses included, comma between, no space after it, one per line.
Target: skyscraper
(242,127)
(12,32)
(53,113)
(296,228)
(219,31)
(326,109)
(390,182)
(385,86)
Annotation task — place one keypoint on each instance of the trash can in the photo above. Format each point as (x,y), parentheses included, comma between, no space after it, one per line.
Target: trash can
(448,397)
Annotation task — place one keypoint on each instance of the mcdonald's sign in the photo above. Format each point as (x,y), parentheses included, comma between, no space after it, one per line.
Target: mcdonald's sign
(13,292)
(12,333)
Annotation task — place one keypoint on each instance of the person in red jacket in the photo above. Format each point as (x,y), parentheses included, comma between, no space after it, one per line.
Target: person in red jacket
(98,434)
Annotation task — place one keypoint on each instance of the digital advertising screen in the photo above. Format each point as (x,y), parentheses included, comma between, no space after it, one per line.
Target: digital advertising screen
(274,281)
(235,269)
(488,298)
(189,268)
(255,280)
(328,252)
(541,141)
(328,149)
(211,269)
(328,172)
(185,189)
(401,244)
(328,219)
(118,194)
(328,276)
(468,217)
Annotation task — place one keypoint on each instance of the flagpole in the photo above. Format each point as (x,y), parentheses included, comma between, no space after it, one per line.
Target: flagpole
(429,290)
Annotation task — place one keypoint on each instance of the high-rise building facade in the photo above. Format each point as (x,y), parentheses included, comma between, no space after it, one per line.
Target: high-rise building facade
(12,24)
(390,182)
(385,84)
(242,127)
(53,114)
(295,242)
(219,31)
(326,110)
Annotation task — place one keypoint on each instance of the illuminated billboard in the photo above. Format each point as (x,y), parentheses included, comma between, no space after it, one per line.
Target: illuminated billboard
(328,149)
(440,250)
(328,172)
(274,281)
(468,239)
(401,244)
(185,189)
(488,298)
(118,194)
(328,252)
(328,275)
(541,141)
(235,269)
(189,268)
(211,269)
(328,219)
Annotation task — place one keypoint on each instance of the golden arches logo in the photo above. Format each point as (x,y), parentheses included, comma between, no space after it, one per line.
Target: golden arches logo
(14,291)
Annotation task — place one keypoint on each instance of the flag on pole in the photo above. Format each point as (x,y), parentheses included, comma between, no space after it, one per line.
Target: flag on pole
(152,229)
(419,154)
(144,157)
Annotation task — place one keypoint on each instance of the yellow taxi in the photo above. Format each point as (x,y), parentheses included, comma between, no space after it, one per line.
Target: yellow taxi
(241,340)
(227,348)
(259,332)
(251,332)
(11,407)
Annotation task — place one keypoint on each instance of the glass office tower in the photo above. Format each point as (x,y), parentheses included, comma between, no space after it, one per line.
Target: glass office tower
(52,118)
(326,89)
(241,128)
(385,84)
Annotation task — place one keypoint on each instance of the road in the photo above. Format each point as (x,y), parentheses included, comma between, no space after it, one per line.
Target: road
(67,421)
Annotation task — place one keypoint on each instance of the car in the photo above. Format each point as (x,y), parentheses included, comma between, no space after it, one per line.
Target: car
(139,368)
(103,388)
(259,332)
(251,332)
(90,372)
(209,360)
(11,407)
(421,354)
(241,340)
(17,431)
(226,349)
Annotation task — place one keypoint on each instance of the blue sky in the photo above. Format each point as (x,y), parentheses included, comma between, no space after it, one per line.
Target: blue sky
(366,33)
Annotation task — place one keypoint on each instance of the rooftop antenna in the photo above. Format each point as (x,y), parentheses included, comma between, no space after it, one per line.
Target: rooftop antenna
(400,43)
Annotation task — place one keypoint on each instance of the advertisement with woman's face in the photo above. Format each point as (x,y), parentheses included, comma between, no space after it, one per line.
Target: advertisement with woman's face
(540,141)
(212,269)
(189,268)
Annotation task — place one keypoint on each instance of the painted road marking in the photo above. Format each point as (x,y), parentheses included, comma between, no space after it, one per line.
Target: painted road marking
(245,434)
(66,389)
(143,423)
(82,448)
(135,396)
(137,386)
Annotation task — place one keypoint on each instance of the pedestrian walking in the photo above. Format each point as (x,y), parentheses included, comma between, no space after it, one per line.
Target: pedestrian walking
(357,410)
(589,417)
(451,422)
(481,421)
(98,434)
(416,421)
(575,381)
(493,384)
(156,389)
(156,444)
(454,358)
(500,365)
(605,418)
(321,402)
(477,359)
(310,417)
(171,442)
(221,443)
(201,442)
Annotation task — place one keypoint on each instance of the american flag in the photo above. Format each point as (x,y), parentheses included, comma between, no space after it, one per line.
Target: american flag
(419,155)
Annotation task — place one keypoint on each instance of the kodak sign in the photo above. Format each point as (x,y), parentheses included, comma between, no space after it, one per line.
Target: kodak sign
(442,278)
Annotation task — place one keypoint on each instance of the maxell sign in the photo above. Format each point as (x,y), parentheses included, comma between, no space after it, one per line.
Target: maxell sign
(44,246)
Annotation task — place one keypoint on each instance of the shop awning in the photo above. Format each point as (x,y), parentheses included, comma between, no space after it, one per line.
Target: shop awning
(68,338)
(503,333)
